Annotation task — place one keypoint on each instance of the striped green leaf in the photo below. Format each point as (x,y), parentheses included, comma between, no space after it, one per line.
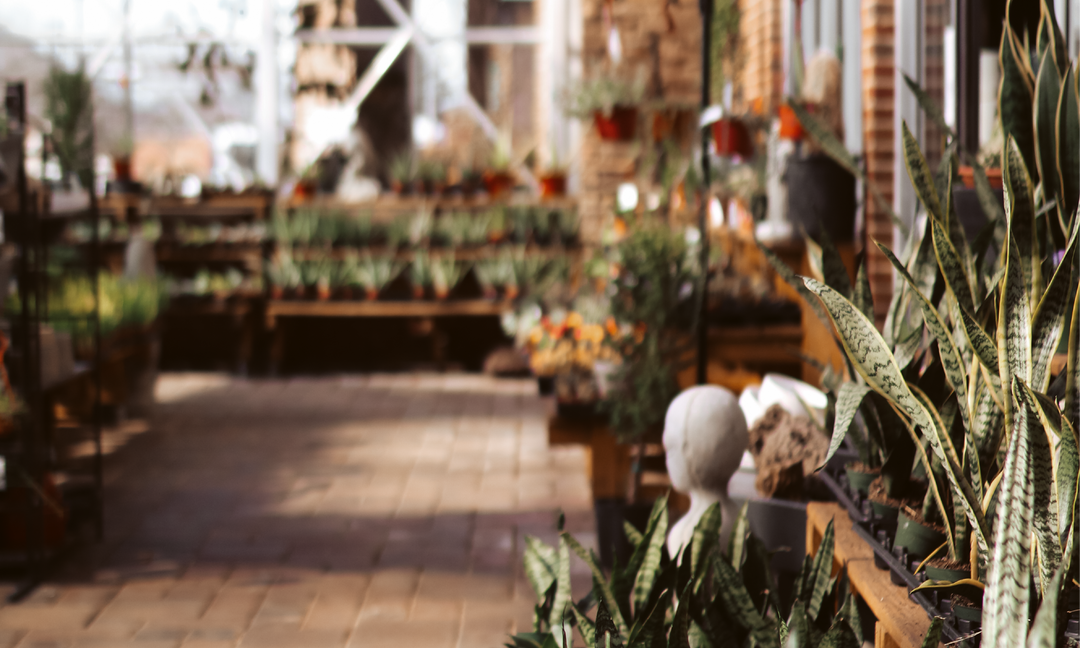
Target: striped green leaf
(848,400)
(1005,603)
(632,534)
(740,535)
(1044,518)
(599,582)
(1020,210)
(1055,42)
(953,364)
(1044,631)
(839,635)
(987,422)
(586,627)
(919,172)
(1013,329)
(985,348)
(791,279)
(933,634)
(561,600)
(929,106)
(814,592)
(1015,94)
(989,201)
(1049,320)
(738,603)
(1047,93)
(540,562)
(648,632)
(864,298)
(1068,143)
(650,563)
(1068,473)
(833,269)
(952,268)
(1072,378)
(704,540)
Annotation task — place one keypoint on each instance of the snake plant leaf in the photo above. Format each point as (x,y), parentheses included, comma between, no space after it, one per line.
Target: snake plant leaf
(649,565)
(871,358)
(1013,329)
(798,627)
(864,297)
(1005,603)
(814,591)
(648,632)
(586,627)
(840,635)
(1015,94)
(848,401)
(951,360)
(738,603)
(919,172)
(704,540)
(632,534)
(791,279)
(1044,631)
(970,583)
(679,636)
(1047,93)
(1044,495)
(1072,367)
(740,535)
(989,201)
(832,266)
(933,633)
(1020,210)
(1068,143)
(1068,465)
(607,632)
(929,106)
(562,599)
(985,348)
(540,562)
(953,269)
(987,422)
(1055,41)
(1049,320)
(605,593)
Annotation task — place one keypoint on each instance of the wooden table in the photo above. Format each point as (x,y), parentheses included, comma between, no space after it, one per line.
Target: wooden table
(901,623)
(423,312)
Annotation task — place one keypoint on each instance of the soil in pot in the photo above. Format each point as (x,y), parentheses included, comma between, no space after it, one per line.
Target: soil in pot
(860,476)
(884,506)
(916,535)
(944,569)
(965,608)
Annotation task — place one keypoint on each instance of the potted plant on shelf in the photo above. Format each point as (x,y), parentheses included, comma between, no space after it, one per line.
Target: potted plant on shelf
(421,226)
(420,274)
(569,226)
(397,232)
(317,274)
(376,272)
(446,272)
(431,174)
(496,225)
(475,229)
(611,103)
(68,106)
(345,278)
(553,179)
(402,172)
(283,275)
(498,179)
(493,274)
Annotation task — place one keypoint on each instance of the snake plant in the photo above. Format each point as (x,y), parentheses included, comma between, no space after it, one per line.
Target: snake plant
(446,272)
(707,596)
(376,272)
(1000,436)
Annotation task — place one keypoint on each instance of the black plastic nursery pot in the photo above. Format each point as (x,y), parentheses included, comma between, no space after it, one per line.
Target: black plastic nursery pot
(888,513)
(860,480)
(545,385)
(821,197)
(919,539)
(946,573)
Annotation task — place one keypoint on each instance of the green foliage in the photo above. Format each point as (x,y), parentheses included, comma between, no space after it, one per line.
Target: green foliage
(657,270)
(717,598)
(69,106)
(602,94)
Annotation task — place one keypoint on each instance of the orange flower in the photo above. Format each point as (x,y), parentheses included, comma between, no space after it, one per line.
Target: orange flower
(574,320)
(620,227)
(611,326)
(639,333)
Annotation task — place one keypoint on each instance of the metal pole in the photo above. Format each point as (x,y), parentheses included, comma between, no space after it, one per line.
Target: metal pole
(706,179)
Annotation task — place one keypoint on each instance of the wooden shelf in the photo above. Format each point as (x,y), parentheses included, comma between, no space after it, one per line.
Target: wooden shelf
(901,623)
(421,308)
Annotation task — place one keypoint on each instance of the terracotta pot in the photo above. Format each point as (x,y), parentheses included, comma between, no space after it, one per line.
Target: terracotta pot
(993,174)
(790,126)
(371,294)
(619,126)
(732,138)
(122,167)
(322,293)
(497,183)
(418,292)
(510,292)
(305,189)
(553,185)
(441,293)
(277,292)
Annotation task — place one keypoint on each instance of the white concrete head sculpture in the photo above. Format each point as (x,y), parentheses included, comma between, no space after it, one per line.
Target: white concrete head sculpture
(704,437)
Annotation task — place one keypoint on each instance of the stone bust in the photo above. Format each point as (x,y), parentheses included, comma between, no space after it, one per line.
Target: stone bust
(704,437)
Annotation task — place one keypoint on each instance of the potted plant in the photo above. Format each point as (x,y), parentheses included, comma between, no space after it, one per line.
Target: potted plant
(611,103)
(376,272)
(496,224)
(492,274)
(498,179)
(283,275)
(553,179)
(68,106)
(397,232)
(475,229)
(432,176)
(421,226)
(446,272)
(345,277)
(402,172)
(569,225)
(317,274)
(420,274)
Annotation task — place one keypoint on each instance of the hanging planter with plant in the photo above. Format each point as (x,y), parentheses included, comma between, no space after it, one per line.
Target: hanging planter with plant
(611,103)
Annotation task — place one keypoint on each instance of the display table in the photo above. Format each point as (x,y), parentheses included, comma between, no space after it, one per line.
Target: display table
(424,311)
(901,623)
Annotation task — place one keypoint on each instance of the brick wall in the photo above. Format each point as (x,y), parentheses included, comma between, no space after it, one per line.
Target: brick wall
(663,40)
(878,106)
(761,76)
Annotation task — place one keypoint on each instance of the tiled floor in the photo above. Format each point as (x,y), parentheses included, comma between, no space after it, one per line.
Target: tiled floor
(363,511)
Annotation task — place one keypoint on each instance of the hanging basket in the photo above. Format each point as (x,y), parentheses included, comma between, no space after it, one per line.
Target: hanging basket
(497,183)
(553,185)
(618,126)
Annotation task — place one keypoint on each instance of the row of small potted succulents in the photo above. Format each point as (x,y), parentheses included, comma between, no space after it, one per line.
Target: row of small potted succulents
(185,234)
(219,285)
(355,275)
(412,176)
(966,484)
(542,226)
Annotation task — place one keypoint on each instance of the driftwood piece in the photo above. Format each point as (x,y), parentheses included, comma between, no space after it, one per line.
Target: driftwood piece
(786,450)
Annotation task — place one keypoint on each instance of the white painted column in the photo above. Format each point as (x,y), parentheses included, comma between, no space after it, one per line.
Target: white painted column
(787,20)
(575,131)
(828,25)
(811,10)
(267,160)
(551,76)
(444,76)
(852,71)
(907,55)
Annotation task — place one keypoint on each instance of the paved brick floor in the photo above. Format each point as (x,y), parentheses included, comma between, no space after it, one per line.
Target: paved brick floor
(352,511)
